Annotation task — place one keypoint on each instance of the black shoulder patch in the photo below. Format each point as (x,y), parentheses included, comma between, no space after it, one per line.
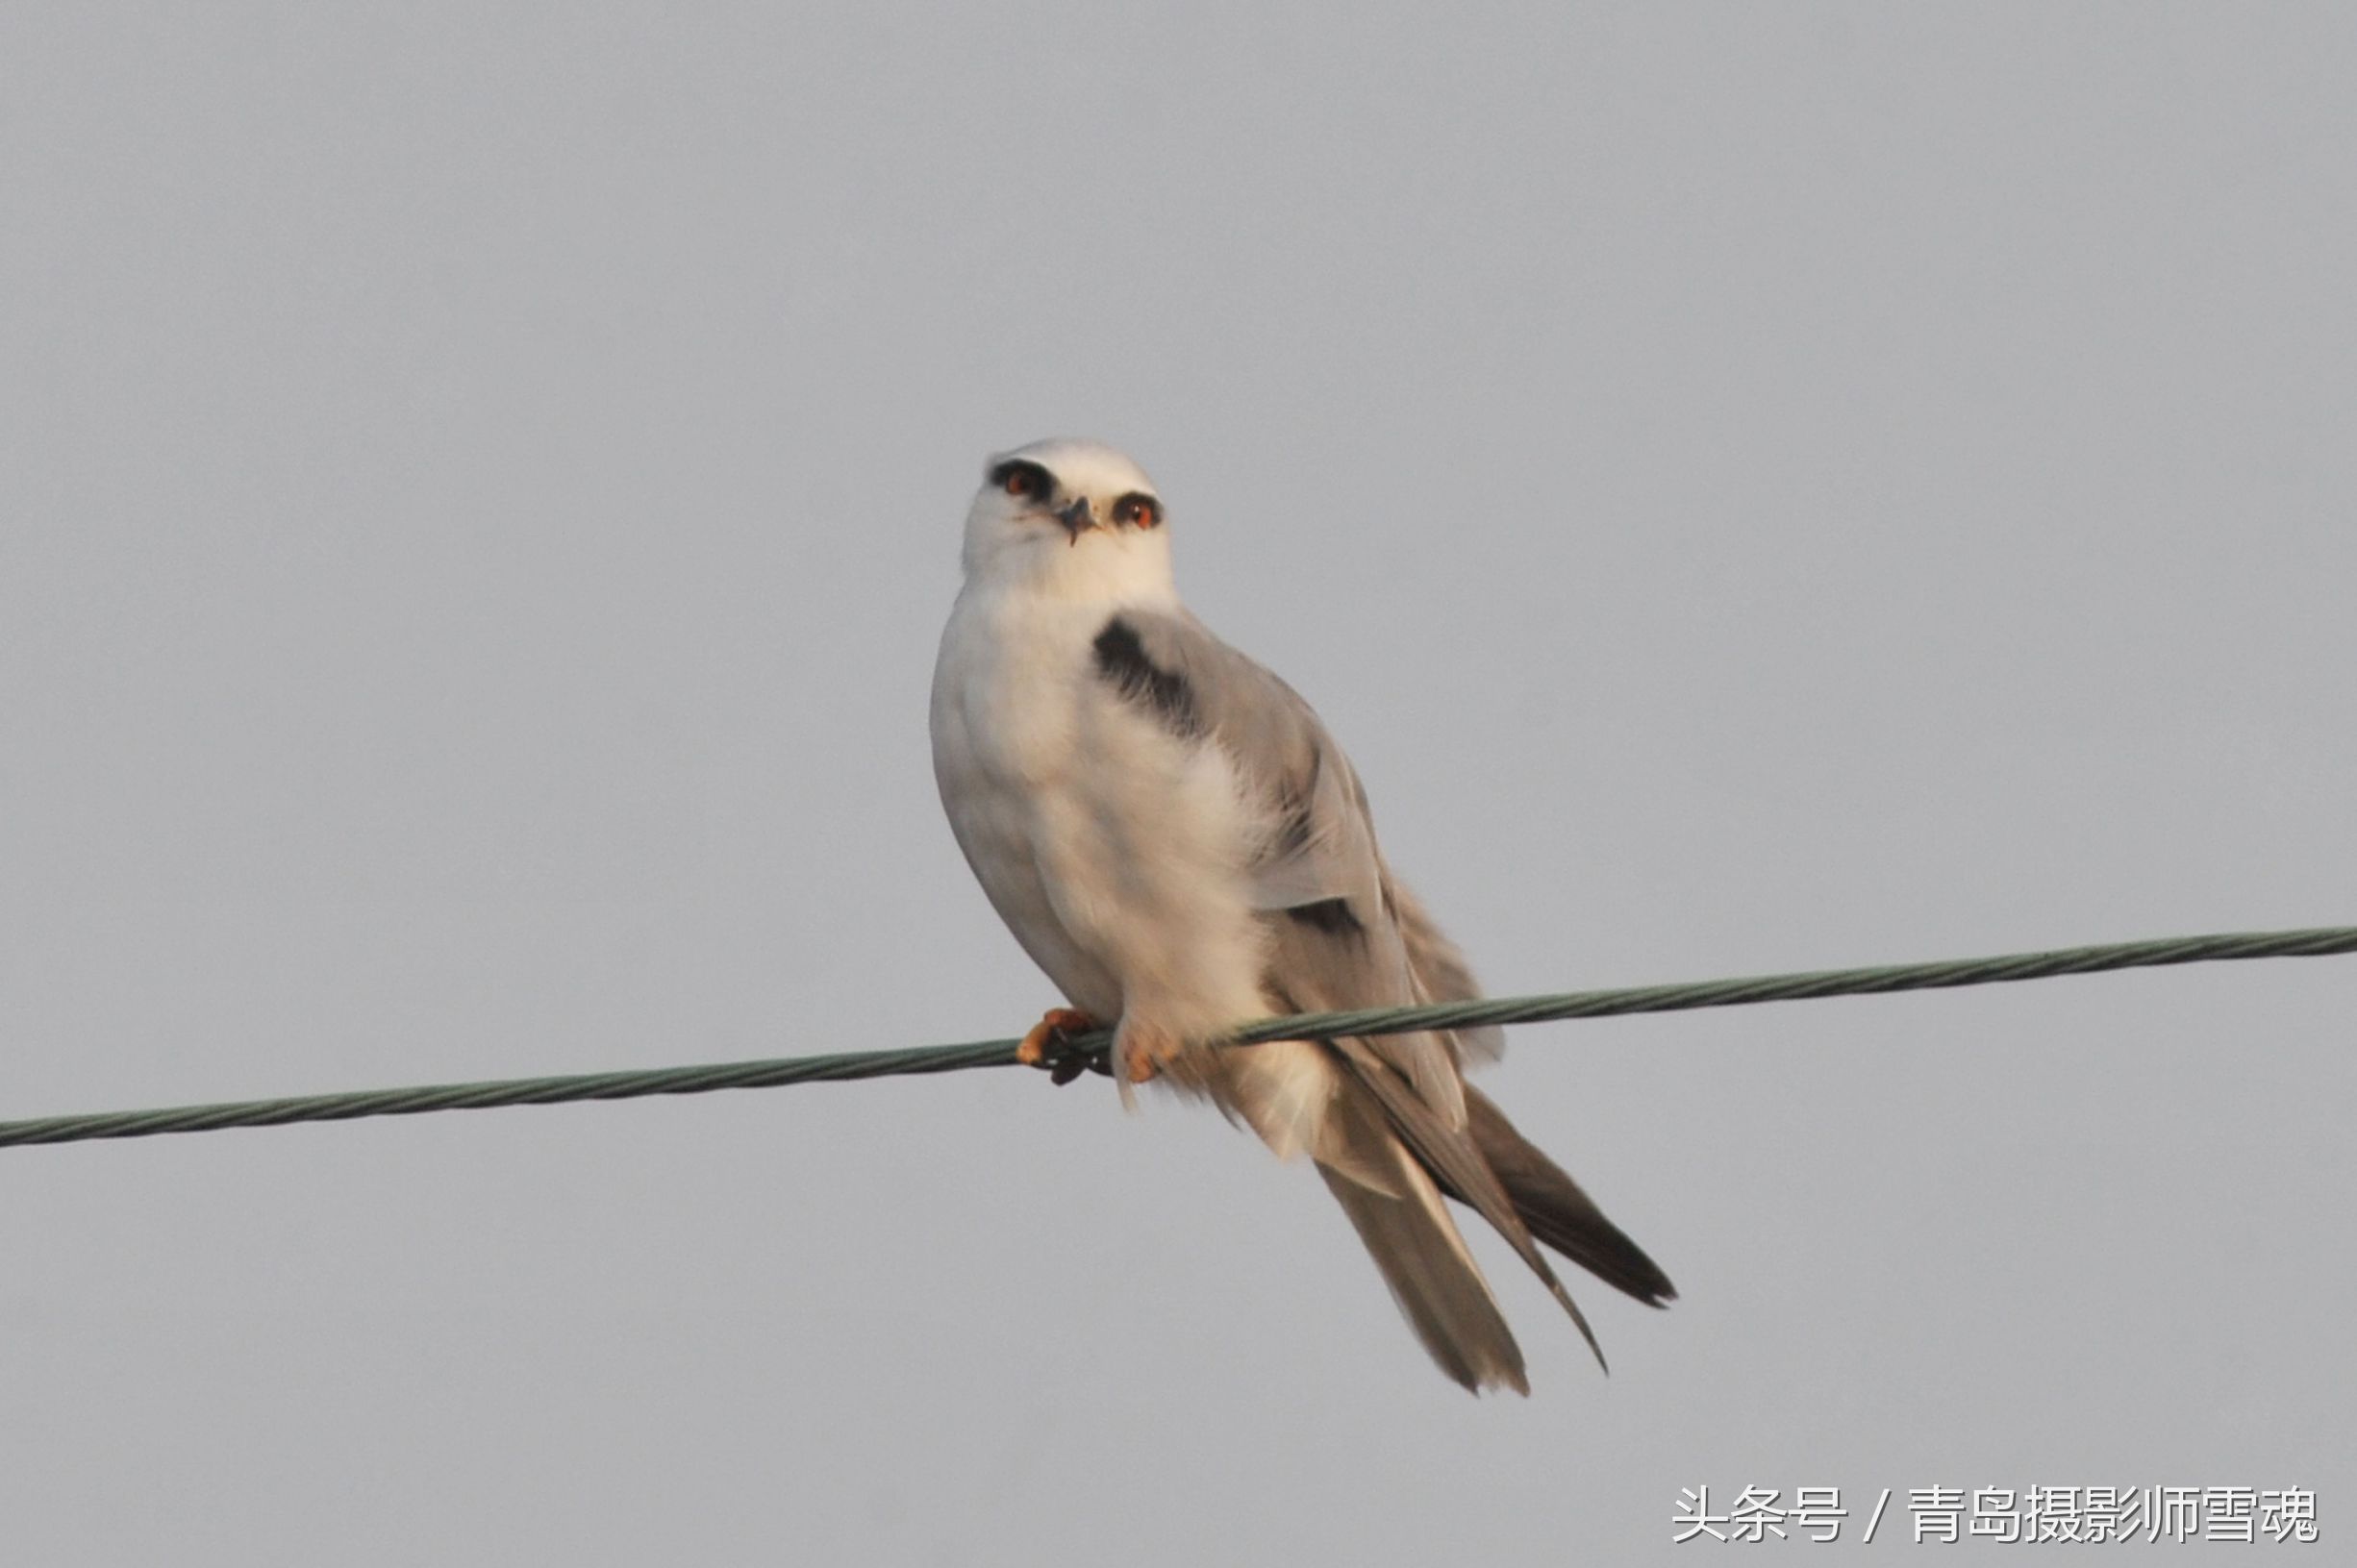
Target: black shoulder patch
(1122,659)
(1331,915)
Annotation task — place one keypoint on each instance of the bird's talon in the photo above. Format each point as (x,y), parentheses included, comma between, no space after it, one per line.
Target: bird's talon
(1066,1068)
(1049,1045)
(1143,1054)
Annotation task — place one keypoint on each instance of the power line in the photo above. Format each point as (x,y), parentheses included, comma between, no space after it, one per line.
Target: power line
(946,1058)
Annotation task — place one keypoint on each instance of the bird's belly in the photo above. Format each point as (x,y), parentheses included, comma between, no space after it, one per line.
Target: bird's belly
(1141,849)
(1114,851)
(999,832)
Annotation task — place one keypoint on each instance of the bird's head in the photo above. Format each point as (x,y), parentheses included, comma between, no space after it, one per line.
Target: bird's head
(1071,516)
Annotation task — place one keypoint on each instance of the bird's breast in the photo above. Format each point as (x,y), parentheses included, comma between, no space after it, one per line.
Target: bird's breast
(1115,845)
(1010,687)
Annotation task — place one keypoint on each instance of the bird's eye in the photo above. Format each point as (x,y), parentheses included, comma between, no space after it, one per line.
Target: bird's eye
(1138,511)
(1024,481)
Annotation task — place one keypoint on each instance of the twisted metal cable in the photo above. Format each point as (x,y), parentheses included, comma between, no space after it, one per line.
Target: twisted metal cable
(946,1058)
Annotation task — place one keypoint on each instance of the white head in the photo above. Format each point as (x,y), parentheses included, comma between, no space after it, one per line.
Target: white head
(1073,518)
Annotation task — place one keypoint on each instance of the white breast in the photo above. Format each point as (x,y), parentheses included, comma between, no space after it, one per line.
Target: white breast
(1114,850)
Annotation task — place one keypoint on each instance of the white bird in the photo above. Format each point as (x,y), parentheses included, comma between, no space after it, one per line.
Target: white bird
(1174,836)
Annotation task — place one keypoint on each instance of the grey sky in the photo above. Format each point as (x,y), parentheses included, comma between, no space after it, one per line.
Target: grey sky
(1752,486)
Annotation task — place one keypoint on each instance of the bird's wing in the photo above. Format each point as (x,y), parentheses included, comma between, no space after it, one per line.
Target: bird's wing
(1441,974)
(1341,933)
(1344,935)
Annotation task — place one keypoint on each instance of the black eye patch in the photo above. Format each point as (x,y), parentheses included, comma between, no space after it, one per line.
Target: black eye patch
(1022,480)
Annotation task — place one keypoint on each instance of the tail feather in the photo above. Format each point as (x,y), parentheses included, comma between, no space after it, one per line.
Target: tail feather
(1555,1209)
(1408,1231)
(1391,1162)
(1450,1158)
(1440,1289)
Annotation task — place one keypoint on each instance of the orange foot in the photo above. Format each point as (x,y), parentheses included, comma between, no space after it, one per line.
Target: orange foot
(1049,1045)
(1140,1053)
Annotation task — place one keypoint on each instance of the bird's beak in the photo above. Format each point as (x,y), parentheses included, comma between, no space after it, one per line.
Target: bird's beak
(1076,517)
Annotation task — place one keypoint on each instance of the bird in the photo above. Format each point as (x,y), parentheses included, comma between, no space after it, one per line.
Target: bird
(1176,840)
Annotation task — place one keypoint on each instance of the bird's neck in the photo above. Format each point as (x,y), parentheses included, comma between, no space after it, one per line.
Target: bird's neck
(1100,572)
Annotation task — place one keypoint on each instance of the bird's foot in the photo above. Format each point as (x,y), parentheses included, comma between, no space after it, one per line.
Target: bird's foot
(1049,1045)
(1141,1052)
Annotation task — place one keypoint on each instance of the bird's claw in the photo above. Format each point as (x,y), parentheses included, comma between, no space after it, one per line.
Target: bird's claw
(1050,1044)
(1140,1054)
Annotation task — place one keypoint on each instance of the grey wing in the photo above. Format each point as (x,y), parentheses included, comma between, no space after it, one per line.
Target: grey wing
(1319,866)
(1341,933)
(1441,974)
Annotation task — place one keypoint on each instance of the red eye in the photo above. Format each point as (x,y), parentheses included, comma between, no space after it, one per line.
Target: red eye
(1138,511)
(1024,481)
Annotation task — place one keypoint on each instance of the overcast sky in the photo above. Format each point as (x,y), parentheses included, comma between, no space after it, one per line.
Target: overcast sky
(1753,486)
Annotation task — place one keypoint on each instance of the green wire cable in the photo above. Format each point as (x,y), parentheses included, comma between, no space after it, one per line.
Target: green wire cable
(946,1058)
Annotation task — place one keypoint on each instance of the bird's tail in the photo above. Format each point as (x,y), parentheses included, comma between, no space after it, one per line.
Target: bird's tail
(1391,1161)
(1556,1213)
(1547,1201)
(1399,1214)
